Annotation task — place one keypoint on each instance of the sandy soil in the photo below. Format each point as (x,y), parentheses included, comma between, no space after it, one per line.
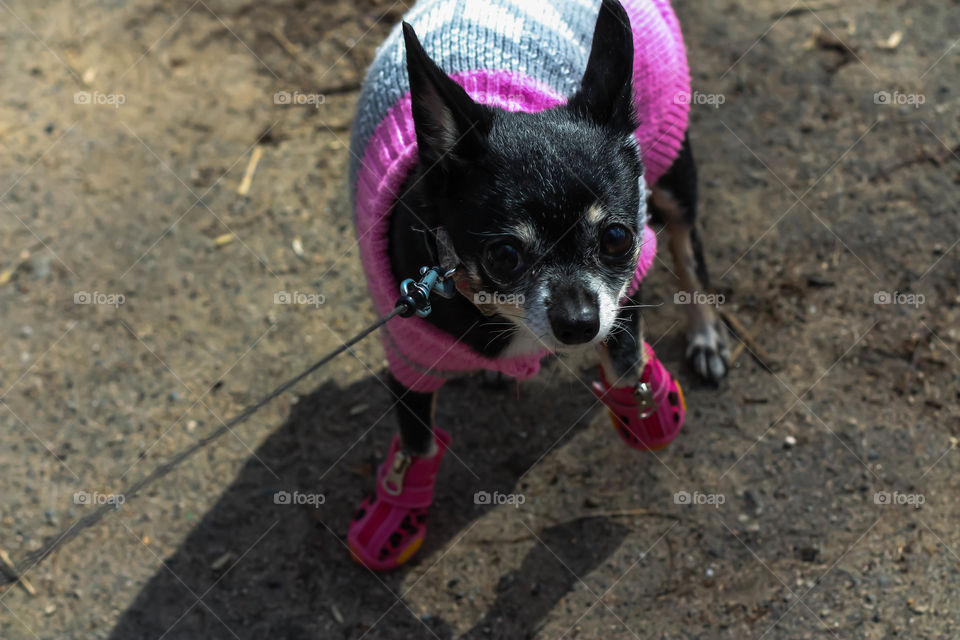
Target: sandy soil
(815,199)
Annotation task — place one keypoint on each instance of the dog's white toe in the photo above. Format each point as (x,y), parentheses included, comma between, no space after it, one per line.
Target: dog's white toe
(707,352)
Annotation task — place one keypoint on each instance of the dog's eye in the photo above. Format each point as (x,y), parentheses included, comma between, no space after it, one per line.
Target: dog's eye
(616,241)
(503,260)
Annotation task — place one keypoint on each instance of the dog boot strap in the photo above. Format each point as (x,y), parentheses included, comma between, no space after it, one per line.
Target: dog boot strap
(408,481)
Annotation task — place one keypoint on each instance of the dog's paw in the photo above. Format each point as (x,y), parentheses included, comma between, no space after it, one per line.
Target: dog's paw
(707,352)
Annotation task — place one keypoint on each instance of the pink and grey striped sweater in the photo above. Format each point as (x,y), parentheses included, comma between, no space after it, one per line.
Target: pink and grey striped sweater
(520,55)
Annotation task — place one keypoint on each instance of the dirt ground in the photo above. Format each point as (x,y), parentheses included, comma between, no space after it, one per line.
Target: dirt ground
(823,491)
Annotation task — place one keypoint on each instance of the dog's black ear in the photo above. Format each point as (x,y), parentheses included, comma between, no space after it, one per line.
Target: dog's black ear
(606,91)
(450,126)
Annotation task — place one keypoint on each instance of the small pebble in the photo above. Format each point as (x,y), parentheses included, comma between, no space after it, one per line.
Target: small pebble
(222,561)
(917,608)
(357,409)
(40,266)
(809,554)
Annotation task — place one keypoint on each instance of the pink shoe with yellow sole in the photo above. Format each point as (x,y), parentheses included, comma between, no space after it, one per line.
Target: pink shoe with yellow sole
(389,528)
(647,416)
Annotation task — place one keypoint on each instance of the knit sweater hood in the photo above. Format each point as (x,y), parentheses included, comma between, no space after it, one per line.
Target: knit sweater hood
(519,55)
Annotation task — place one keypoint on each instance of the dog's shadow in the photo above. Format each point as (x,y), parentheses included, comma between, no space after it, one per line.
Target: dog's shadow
(252,568)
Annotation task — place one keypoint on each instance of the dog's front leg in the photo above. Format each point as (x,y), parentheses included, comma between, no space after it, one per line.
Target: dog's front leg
(646,404)
(415,412)
(674,200)
(622,355)
(389,527)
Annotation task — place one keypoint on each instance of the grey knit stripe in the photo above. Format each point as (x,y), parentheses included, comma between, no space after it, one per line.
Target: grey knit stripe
(548,41)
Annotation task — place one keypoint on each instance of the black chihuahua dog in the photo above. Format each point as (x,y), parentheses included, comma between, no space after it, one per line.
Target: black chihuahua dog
(548,210)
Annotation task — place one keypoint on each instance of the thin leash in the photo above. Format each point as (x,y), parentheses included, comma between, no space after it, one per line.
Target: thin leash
(414,299)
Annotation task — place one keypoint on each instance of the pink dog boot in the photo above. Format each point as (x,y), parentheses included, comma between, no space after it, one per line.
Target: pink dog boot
(647,416)
(388,529)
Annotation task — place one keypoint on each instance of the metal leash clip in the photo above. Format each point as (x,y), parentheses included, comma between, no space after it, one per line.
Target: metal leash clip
(415,294)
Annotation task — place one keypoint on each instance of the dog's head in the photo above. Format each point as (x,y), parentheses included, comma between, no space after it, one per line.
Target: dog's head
(540,211)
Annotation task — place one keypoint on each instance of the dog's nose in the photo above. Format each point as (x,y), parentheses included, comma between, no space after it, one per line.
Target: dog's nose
(574,317)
